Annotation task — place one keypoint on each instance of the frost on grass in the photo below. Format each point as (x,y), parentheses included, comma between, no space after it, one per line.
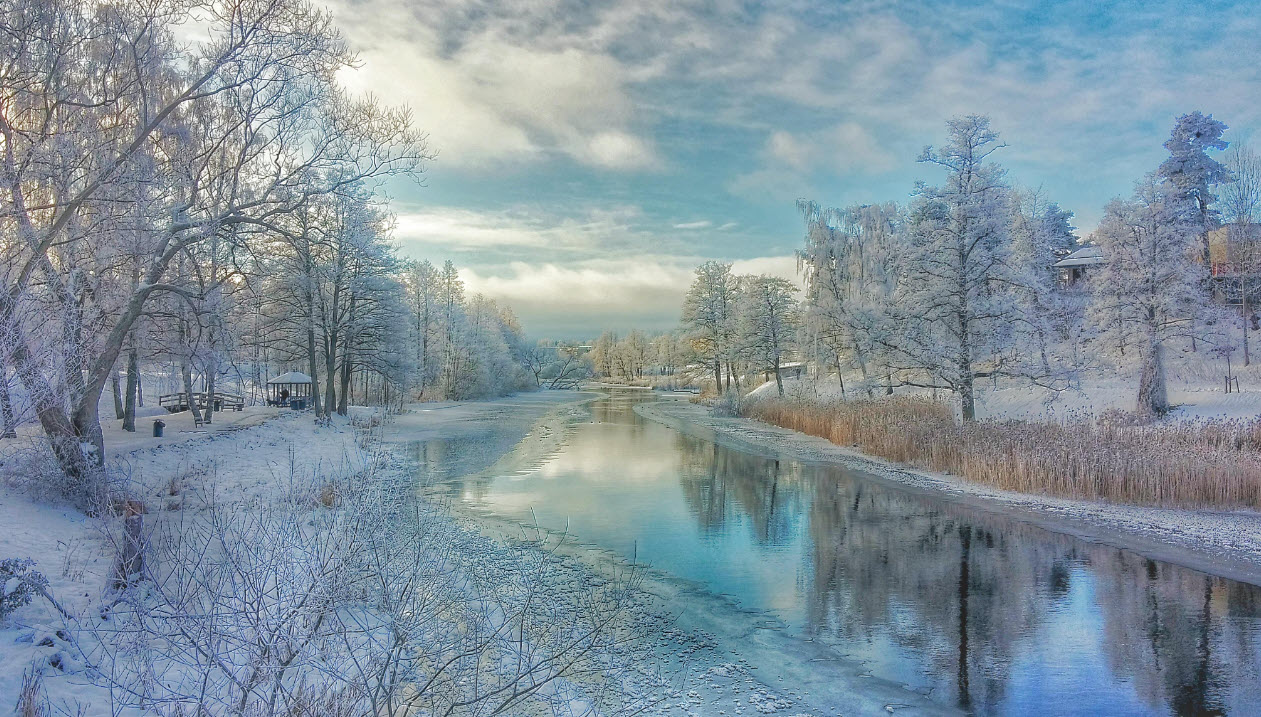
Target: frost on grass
(373,603)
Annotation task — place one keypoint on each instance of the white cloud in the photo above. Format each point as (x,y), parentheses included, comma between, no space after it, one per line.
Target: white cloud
(784,267)
(487,98)
(702,224)
(519,228)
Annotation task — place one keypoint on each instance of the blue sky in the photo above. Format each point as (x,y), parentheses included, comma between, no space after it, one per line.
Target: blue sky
(590,154)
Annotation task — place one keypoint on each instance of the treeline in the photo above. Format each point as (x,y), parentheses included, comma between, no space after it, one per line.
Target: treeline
(210,206)
(958,285)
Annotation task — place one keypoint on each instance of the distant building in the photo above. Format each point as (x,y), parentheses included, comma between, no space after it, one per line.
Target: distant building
(1235,250)
(1073,268)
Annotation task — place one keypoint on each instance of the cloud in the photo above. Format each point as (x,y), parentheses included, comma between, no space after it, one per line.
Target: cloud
(702,224)
(519,228)
(488,98)
(584,297)
(785,267)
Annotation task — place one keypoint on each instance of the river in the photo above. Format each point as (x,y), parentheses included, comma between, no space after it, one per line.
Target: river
(972,609)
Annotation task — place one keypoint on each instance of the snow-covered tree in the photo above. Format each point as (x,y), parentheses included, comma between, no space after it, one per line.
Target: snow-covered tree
(1152,287)
(954,302)
(709,314)
(218,139)
(1192,173)
(769,321)
(850,262)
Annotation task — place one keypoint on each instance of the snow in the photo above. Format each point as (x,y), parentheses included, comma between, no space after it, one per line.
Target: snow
(291,377)
(246,462)
(1196,391)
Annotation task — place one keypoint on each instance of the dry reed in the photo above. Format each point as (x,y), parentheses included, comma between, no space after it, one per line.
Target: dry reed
(1207,464)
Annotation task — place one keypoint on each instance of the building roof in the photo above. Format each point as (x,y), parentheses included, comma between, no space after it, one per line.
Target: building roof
(291,377)
(1085,256)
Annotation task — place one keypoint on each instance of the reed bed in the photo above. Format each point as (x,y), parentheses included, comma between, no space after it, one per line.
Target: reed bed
(1206,464)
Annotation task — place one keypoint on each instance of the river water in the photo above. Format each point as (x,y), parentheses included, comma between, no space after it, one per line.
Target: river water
(977,611)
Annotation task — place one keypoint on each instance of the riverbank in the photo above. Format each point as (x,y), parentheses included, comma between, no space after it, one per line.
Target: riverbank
(674,650)
(714,656)
(1224,543)
(327,506)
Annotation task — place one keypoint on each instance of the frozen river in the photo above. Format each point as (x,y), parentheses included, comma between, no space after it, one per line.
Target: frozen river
(974,610)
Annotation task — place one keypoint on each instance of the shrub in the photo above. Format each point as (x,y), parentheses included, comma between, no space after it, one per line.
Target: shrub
(728,404)
(18,584)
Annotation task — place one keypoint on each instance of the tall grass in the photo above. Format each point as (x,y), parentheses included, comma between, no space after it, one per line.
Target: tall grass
(1212,464)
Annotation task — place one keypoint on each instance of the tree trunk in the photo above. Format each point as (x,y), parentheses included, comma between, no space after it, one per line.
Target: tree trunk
(6,405)
(330,372)
(133,388)
(139,389)
(1243,292)
(779,381)
(117,388)
(186,374)
(718,376)
(968,398)
(1153,399)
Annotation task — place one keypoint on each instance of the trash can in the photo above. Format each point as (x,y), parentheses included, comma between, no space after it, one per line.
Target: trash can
(158,425)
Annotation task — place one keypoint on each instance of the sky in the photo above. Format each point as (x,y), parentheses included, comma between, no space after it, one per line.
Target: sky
(590,154)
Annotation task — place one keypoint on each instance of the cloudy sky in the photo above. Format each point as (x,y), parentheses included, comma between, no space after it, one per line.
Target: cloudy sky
(591,153)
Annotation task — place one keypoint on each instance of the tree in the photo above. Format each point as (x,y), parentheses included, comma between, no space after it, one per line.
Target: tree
(1152,284)
(102,109)
(1241,205)
(1192,173)
(769,321)
(850,262)
(709,315)
(954,305)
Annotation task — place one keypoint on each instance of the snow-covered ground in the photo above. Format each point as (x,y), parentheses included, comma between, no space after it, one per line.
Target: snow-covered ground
(1196,385)
(261,459)
(1225,543)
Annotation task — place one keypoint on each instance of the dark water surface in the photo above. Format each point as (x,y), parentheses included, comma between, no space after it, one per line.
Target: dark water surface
(978,611)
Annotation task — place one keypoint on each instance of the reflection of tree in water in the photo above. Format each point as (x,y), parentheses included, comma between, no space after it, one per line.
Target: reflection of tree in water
(968,592)
(1179,635)
(768,492)
(958,593)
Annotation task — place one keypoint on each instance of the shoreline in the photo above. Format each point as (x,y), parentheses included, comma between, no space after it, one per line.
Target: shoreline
(730,653)
(1222,543)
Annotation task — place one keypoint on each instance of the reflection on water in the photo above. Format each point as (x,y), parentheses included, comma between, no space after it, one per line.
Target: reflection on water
(981,612)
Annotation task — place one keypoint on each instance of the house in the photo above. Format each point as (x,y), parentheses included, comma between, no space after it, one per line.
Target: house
(1073,268)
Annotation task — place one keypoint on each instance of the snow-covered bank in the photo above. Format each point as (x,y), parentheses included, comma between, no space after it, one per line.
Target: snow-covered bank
(311,501)
(1222,543)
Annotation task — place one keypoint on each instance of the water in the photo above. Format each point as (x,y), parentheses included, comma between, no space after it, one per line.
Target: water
(980,612)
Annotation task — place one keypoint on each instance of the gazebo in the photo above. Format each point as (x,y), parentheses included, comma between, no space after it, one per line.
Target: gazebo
(293,388)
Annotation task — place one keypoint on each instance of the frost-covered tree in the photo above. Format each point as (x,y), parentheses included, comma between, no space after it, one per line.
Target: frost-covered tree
(709,314)
(1151,288)
(769,320)
(850,263)
(421,281)
(1192,173)
(1041,234)
(1241,208)
(954,301)
(103,110)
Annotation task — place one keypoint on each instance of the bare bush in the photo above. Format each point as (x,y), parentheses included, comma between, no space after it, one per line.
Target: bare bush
(375,604)
(1189,464)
